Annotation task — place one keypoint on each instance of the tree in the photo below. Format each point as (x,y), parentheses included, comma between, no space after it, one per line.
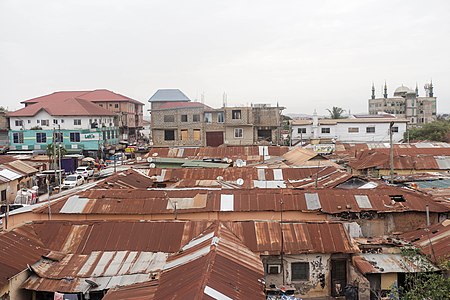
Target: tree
(51,153)
(435,131)
(336,112)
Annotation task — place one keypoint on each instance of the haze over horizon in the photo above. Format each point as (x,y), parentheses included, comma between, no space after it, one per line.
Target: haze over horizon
(303,55)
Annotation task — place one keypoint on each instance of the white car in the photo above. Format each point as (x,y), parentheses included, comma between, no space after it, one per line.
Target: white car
(85,171)
(73,181)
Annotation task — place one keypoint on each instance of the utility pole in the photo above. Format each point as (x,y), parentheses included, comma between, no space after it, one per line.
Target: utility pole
(48,199)
(391,154)
(282,241)
(59,156)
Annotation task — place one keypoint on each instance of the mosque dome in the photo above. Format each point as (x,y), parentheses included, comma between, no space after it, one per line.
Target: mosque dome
(402,90)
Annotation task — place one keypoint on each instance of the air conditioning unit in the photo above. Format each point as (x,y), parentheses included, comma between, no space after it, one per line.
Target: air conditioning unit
(273,269)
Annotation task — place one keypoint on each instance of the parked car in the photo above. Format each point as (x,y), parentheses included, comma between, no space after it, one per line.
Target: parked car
(73,181)
(85,171)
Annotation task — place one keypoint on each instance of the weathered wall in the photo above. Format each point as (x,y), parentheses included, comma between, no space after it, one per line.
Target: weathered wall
(356,278)
(247,136)
(318,284)
(13,290)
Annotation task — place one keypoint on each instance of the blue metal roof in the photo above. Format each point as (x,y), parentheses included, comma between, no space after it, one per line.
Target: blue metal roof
(165,95)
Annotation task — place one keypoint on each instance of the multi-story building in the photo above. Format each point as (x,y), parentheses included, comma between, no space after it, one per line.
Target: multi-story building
(372,128)
(78,125)
(176,121)
(406,104)
(129,112)
(3,130)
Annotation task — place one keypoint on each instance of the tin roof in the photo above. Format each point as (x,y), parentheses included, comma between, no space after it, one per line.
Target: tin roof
(325,176)
(107,269)
(19,247)
(372,263)
(166,95)
(157,202)
(22,167)
(137,291)
(128,179)
(246,153)
(434,241)
(314,237)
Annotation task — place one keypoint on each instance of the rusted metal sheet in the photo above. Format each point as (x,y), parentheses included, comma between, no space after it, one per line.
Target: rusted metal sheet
(390,263)
(19,247)
(265,237)
(138,291)
(433,241)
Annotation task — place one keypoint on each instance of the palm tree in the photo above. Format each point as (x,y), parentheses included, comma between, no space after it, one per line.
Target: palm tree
(336,112)
(51,153)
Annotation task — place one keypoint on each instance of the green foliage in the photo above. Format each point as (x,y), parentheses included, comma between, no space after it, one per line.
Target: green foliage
(435,131)
(336,112)
(51,152)
(424,285)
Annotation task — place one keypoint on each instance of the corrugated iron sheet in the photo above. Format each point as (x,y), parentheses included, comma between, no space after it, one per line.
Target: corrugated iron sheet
(390,263)
(434,241)
(19,247)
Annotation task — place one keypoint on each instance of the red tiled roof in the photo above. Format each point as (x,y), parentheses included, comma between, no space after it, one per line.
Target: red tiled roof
(66,107)
(93,96)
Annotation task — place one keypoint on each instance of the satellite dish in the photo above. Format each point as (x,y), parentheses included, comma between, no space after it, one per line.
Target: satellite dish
(240,163)
(149,159)
(219,178)
(152,165)
(155,154)
(225,159)
(91,283)
(240,181)
(138,158)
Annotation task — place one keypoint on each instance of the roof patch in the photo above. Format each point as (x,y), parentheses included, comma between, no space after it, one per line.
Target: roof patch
(312,201)
(74,205)
(363,201)
(226,202)
(215,294)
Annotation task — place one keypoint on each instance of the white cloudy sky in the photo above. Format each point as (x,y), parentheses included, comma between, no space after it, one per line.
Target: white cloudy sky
(304,54)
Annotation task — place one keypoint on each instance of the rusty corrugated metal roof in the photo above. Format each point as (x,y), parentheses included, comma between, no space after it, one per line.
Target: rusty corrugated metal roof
(19,247)
(315,237)
(434,241)
(370,263)
(329,201)
(138,291)
(128,179)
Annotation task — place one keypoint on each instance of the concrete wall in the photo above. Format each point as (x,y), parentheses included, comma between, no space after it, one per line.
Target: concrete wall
(318,284)
(13,290)
(247,136)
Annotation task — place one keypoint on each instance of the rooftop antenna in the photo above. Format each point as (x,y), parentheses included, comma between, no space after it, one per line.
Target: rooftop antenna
(202,98)
(224,99)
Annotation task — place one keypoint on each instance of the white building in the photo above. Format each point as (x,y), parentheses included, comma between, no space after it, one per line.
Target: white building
(354,129)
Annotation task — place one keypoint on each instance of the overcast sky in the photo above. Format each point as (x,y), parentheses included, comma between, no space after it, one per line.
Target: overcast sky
(305,55)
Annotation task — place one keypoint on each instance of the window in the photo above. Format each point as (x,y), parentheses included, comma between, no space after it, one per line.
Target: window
(273,269)
(19,123)
(238,133)
(18,137)
(301,130)
(169,135)
(108,134)
(300,271)
(45,122)
(77,122)
(326,130)
(55,121)
(184,118)
(196,118)
(370,129)
(353,130)
(75,137)
(169,118)
(208,117)
(197,135)
(220,117)
(104,135)
(41,137)
(236,114)
(395,129)
(116,105)
(101,105)
(29,121)
(184,134)
(58,137)
(62,121)
(113,134)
